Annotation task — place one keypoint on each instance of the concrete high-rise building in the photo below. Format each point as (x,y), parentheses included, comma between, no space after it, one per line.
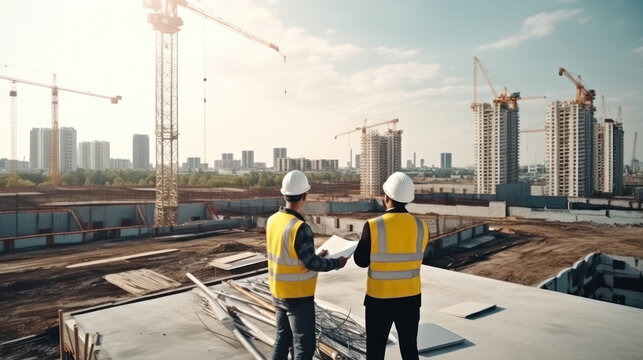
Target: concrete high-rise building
(68,147)
(496,145)
(445,161)
(100,155)
(93,155)
(141,152)
(227,161)
(193,164)
(278,153)
(247,159)
(120,164)
(609,157)
(357,159)
(85,155)
(421,163)
(569,149)
(380,156)
(39,148)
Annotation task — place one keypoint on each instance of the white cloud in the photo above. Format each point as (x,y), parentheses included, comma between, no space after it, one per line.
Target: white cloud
(534,27)
(396,54)
(394,76)
(331,31)
(638,50)
(451,80)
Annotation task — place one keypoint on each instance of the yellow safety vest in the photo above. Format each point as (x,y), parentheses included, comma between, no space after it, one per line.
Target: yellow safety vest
(289,278)
(398,241)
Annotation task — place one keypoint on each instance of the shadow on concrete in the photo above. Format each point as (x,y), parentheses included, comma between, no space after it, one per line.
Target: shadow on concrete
(486,313)
(445,350)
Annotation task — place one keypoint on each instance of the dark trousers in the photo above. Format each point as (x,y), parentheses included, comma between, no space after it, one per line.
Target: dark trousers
(378,325)
(296,328)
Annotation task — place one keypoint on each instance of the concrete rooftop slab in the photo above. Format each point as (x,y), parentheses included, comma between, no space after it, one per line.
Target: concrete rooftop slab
(528,323)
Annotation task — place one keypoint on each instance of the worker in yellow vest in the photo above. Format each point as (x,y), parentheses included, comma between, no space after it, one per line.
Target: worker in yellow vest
(293,267)
(392,247)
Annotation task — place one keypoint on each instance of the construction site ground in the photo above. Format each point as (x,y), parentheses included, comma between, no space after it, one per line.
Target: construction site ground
(35,284)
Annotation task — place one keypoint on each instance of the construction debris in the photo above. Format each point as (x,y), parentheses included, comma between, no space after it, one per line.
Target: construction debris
(238,261)
(340,336)
(141,281)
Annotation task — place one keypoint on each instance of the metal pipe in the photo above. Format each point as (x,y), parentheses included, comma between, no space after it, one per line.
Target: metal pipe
(247,344)
(223,316)
(255,316)
(254,331)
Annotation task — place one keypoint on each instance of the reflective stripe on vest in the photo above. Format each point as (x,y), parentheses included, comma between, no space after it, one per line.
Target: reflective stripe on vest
(289,278)
(284,258)
(382,257)
(396,257)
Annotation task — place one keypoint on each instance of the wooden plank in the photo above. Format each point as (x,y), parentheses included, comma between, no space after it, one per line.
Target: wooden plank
(121,258)
(235,257)
(239,261)
(141,281)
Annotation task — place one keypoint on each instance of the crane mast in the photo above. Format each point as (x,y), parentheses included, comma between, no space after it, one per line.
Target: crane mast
(165,20)
(13,116)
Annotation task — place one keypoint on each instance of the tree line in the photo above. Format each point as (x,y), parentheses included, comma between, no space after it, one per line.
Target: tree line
(128,177)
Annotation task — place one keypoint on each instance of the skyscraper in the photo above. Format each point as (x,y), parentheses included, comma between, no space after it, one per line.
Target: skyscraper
(380,156)
(445,161)
(247,159)
(39,148)
(278,153)
(85,155)
(609,157)
(93,155)
(569,137)
(227,161)
(68,156)
(496,145)
(141,152)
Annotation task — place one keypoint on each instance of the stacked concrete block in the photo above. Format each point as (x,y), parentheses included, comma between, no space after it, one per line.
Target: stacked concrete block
(617,279)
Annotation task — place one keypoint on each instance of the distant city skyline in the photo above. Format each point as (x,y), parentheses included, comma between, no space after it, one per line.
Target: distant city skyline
(339,71)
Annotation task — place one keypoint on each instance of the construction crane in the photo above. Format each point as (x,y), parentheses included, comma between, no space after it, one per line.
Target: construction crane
(505,98)
(165,20)
(13,140)
(532,131)
(363,128)
(54,160)
(583,95)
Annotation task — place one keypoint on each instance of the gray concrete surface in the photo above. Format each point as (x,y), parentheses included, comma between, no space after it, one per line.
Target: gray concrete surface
(528,323)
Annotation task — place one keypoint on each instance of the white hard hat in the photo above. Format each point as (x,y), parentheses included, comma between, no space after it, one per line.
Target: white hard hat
(294,183)
(399,187)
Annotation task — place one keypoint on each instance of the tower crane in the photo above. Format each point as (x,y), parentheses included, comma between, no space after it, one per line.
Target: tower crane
(13,116)
(363,128)
(504,98)
(583,95)
(54,162)
(165,20)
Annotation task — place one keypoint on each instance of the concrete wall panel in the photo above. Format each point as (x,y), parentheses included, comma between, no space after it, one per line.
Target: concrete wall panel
(31,242)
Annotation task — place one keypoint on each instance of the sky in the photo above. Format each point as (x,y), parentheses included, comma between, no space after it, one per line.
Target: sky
(346,61)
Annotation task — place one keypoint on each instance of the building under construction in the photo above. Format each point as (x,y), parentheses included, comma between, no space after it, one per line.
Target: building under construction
(496,131)
(569,149)
(496,145)
(610,157)
(381,155)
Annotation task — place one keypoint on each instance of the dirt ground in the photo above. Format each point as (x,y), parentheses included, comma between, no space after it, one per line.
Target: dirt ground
(553,247)
(35,284)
